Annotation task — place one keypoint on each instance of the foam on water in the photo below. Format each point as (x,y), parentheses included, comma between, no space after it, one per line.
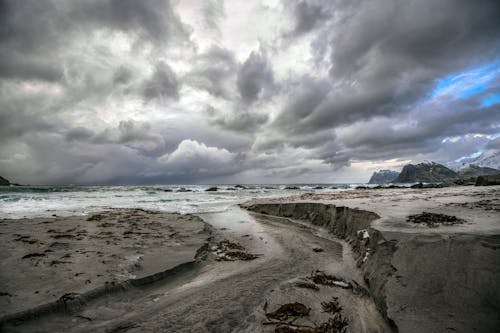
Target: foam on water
(43,201)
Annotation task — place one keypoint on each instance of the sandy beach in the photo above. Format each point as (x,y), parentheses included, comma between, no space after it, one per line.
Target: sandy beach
(343,262)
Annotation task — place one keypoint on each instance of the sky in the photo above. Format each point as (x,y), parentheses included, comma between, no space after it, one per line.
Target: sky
(269,91)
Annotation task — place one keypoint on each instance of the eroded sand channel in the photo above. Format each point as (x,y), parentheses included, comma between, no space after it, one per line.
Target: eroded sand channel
(225,296)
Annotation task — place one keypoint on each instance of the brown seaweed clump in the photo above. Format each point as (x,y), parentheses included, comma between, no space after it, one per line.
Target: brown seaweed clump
(306,285)
(336,324)
(289,310)
(226,250)
(285,319)
(320,277)
(332,307)
(433,220)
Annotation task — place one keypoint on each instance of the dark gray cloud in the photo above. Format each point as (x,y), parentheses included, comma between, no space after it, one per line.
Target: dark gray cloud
(34,32)
(162,84)
(214,71)
(255,76)
(110,91)
(307,16)
(386,56)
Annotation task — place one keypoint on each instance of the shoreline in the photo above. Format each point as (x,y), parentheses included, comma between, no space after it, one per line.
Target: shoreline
(398,273)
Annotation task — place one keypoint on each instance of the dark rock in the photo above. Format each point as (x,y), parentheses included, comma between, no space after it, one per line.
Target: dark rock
(212,189)
(383,177)
(292,188)
(429,172)
(4,182)
(475,171)
(241,187)
(488,180)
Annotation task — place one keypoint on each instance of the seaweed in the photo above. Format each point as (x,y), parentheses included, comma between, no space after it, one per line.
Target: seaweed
(289,310)
(229,251)
(307,285)
(332,307)
(433,220)
(320,277)
(336,324)
(281,317)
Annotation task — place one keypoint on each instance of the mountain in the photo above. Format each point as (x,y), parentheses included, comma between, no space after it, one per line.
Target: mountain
(474,171)
(4,181)
(489,158)
(429,172)
(383,177)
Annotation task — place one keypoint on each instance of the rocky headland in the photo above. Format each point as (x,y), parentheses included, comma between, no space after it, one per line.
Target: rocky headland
(4,182)
(383,177)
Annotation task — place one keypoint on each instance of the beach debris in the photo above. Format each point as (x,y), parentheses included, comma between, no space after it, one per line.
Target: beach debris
(433,220)
(320,277)
(367,254)
(230,245)
(226,250)
(287,314)
(285,328)
(289,310)
(34,255)
(331,307)
(363,234)
(306,285)
(336,324)
(317,249)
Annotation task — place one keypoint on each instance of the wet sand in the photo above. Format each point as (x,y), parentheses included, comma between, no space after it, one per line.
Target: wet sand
(424,277)
(402,277)
(45,260)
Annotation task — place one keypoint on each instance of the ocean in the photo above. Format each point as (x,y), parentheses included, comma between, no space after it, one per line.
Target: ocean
(46,201)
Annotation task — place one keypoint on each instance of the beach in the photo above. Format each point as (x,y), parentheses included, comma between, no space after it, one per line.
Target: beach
(306,261)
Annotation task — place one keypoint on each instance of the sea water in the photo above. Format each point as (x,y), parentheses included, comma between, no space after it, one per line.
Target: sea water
(46,201)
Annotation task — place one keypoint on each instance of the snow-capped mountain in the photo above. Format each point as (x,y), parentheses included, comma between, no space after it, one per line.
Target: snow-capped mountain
(489,158)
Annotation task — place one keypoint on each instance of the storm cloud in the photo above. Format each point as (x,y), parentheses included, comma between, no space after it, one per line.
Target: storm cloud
(159,91)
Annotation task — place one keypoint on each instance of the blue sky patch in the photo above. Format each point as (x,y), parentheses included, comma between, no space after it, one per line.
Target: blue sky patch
(491,100)
(468,83)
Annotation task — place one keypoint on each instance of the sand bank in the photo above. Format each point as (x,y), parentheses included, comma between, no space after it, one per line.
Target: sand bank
(423,277)
(48,262)
(349,258)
